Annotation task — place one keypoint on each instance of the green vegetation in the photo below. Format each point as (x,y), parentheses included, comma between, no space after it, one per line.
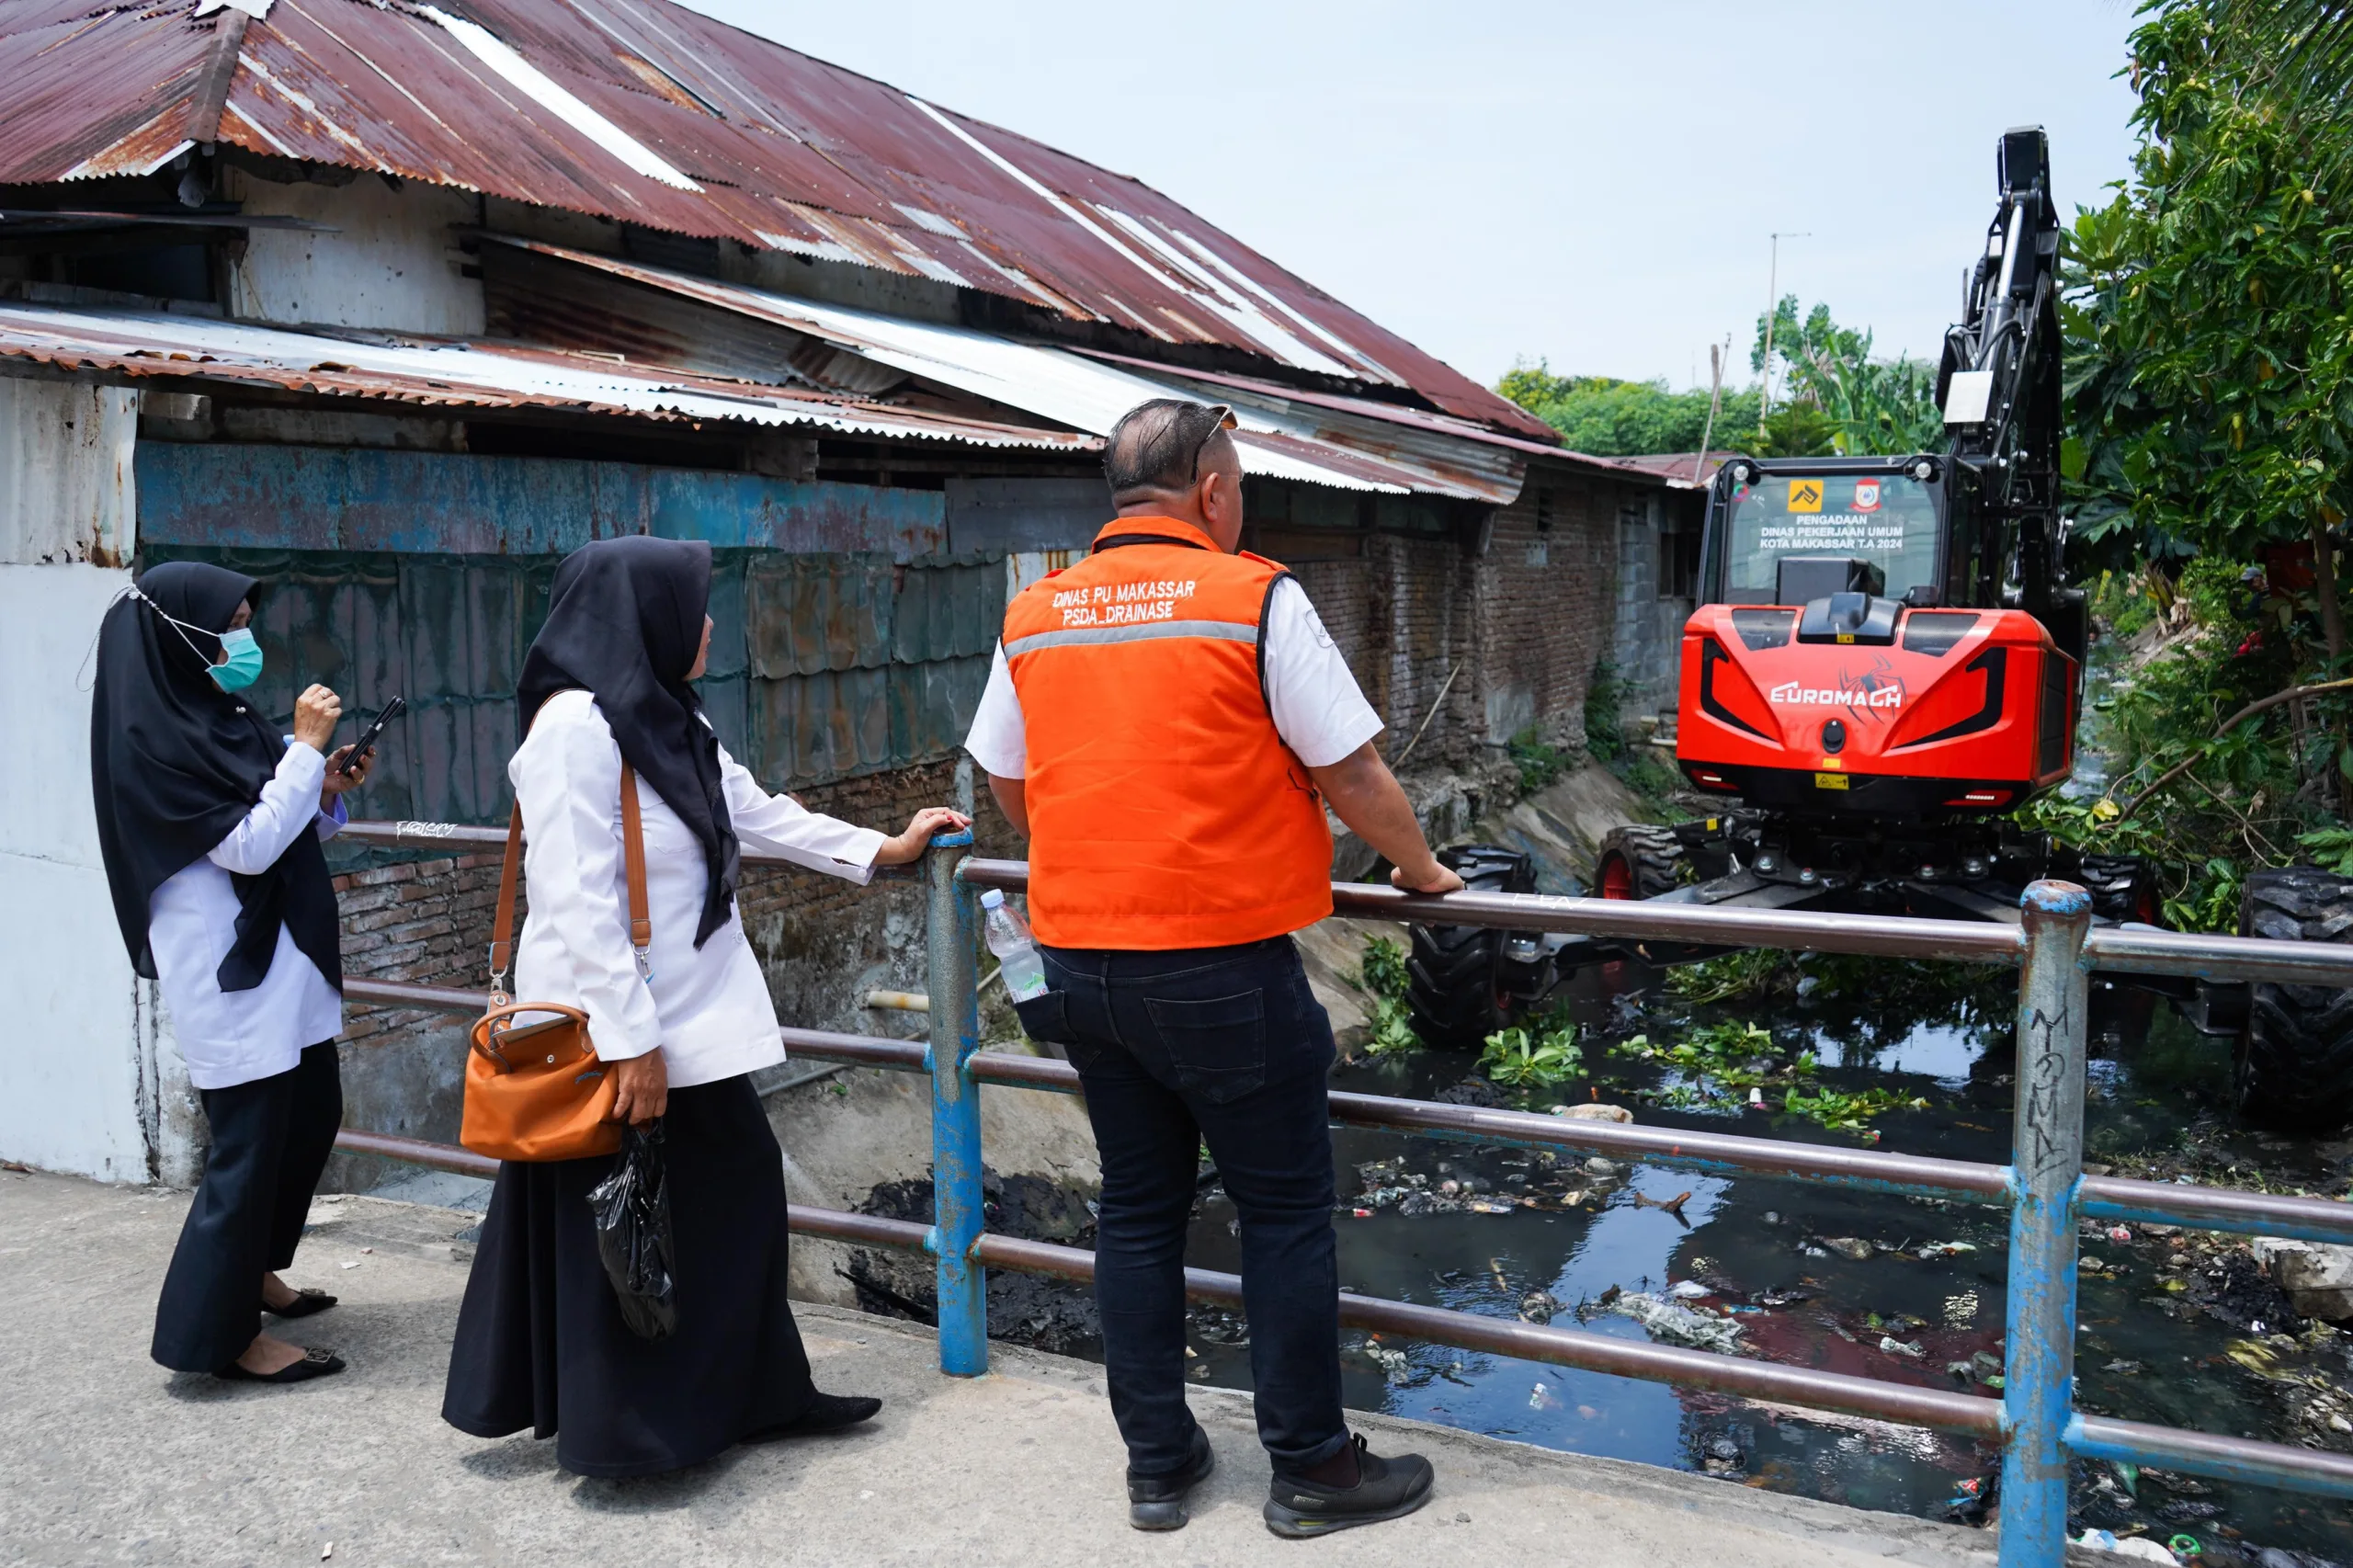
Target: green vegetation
(1732,1063)
(1745,972)
(1608,417)
(1541,1051)
(1380,975)
(1604,695)
(1849,1113)
(1539,762)
(1733,1055)
(1839,398)
(2209,453)
(1835,397)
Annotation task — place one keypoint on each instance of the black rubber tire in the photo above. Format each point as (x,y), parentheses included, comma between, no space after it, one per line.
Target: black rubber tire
(1456,989)
(2124,887)
(2295,1056)
(1638,861)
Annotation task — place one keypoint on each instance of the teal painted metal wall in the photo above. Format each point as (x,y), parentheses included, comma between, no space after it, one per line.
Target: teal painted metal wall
(247,496)
(826,663)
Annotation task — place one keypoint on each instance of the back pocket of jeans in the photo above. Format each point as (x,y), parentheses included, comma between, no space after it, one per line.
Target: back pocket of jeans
(1218,1047)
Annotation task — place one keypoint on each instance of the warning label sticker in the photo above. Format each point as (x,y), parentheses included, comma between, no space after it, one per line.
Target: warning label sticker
(1805,495)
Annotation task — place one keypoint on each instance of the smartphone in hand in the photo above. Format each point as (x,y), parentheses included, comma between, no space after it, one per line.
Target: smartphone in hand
(368,736)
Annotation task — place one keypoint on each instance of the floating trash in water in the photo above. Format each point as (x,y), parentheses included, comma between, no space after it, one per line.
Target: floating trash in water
(1894,1346)
(1672,1321)
(1687,1289)
(1852,1248)
(1540,1306)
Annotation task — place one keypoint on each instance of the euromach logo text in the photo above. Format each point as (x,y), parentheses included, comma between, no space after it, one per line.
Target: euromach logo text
(1789,693)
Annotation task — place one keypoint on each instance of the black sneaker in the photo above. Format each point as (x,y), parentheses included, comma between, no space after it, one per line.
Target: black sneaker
(1157,1501)
(1385,1489)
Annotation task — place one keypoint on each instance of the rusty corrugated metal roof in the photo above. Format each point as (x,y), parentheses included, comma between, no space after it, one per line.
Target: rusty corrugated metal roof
(1682,471)
(1351,444)
(643,112)
(456,373)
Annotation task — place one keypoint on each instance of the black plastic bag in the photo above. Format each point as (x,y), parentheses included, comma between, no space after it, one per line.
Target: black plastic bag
(631,1211)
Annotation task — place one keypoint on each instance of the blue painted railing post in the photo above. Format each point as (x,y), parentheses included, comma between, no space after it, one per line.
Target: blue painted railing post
(2047,1168)
(955,1109)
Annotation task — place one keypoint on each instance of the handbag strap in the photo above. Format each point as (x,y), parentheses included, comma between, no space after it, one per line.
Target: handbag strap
(641,921)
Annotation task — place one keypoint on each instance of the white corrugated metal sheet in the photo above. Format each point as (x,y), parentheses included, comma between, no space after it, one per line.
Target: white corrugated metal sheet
(65,481)
(1349,443)
(458,373)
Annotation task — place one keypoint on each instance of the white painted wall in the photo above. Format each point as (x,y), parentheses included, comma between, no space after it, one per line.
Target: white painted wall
(392,262)
(89,1081)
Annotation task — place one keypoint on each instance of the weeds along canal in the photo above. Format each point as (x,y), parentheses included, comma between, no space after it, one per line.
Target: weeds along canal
(2178,1328)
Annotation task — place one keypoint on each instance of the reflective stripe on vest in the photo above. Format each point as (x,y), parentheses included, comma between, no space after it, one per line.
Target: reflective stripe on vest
(1140,631)
(1165,811)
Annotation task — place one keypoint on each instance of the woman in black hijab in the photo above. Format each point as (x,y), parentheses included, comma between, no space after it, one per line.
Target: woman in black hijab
(541,1339)
(209,823)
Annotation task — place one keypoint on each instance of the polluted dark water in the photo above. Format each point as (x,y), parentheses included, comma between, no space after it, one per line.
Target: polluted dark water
(1847,1281)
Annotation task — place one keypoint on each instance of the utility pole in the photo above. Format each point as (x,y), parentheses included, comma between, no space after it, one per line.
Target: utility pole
(1772,318)
(1716,357)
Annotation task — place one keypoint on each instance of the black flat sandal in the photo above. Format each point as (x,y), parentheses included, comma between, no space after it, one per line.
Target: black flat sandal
(315,1363)
(305,1303)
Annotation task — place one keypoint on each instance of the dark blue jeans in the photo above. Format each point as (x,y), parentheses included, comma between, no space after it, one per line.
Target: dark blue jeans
(1224,1046)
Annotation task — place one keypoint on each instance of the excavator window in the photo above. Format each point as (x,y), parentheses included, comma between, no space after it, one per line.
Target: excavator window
(1887,520)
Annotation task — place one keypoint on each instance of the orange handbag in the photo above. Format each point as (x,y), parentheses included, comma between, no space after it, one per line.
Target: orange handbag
(537,1091)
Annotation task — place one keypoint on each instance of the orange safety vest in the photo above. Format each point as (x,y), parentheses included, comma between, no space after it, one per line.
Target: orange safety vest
(1165,811)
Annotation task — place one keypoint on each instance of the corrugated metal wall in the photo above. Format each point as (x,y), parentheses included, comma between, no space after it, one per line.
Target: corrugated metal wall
(229,495)
(821,666)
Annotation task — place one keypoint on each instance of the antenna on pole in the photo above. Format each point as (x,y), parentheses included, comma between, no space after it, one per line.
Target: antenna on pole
(1772,319)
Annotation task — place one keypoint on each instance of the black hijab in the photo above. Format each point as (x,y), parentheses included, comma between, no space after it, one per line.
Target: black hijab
(624,621)
(176,763)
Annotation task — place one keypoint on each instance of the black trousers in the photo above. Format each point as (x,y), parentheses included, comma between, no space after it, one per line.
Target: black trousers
(540,1344)
(270,1140)
(1224,1046)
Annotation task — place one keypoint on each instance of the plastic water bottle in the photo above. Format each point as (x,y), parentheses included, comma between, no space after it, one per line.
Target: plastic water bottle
(1017,954)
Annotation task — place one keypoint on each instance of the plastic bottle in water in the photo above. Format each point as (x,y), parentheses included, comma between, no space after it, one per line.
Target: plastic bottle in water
(1017,955)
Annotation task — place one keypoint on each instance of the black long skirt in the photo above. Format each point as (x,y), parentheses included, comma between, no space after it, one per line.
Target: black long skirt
(541,1342)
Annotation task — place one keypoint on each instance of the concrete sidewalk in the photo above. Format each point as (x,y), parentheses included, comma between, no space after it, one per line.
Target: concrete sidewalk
(105,1457)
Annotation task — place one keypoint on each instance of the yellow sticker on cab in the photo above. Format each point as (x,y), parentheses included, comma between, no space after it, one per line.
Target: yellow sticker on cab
(1830,781)
(1805,495)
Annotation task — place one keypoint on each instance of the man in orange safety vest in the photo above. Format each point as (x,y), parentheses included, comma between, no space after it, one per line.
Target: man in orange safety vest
(1168,721)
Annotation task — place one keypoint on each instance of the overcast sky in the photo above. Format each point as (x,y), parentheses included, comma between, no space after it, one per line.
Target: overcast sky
(1588,184)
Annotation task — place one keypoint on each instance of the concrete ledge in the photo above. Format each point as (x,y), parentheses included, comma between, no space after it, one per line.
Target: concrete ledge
(110,1459)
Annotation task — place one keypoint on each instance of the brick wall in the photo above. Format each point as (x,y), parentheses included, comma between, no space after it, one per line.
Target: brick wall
(1546,597)
(821,941)
(1526,618)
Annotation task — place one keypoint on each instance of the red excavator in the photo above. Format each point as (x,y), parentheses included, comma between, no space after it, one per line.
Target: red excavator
(1887,664)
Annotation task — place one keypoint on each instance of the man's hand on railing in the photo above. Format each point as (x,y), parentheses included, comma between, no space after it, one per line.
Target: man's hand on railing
(1432,878)
(1364,794)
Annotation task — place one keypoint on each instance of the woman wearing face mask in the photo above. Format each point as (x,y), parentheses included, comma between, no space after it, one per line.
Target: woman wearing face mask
(541,1341)
(210,823)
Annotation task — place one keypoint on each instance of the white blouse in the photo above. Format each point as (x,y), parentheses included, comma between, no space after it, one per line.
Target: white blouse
(708,1009)
(229,1038)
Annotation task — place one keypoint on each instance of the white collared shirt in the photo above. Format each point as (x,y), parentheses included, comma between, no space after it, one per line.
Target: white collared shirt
(229,1038)
(1318,708)
(708,1009)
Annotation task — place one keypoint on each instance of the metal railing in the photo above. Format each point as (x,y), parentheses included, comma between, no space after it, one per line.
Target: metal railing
(2044,1187)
